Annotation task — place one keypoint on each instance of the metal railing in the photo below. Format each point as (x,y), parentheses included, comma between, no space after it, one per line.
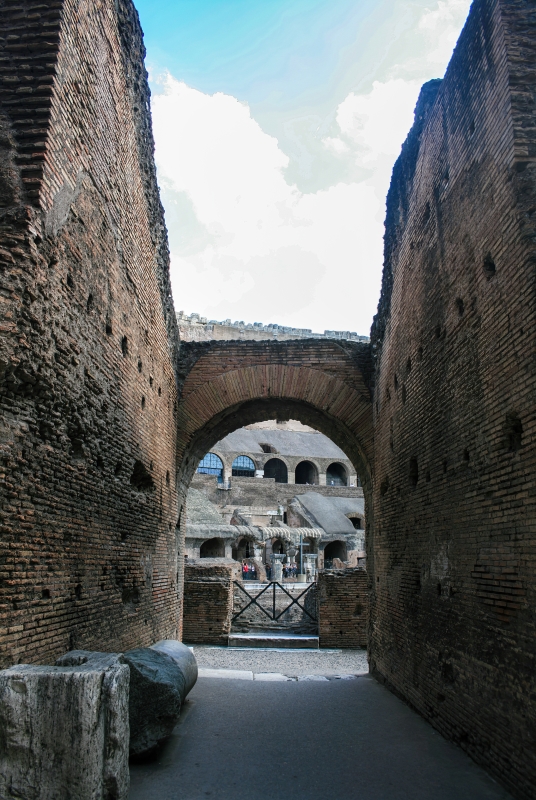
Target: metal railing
(273,614)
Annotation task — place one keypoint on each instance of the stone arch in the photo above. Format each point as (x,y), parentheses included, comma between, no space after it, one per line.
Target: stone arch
(307,472)
(336,474)
(277,468)
(212,548)
(241,464)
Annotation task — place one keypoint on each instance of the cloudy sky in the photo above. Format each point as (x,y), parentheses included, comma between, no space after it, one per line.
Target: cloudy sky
(277,123)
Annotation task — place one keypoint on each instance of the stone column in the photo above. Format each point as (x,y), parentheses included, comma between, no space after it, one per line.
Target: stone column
(65,730)
(277,567)
(322,479)
(291,476)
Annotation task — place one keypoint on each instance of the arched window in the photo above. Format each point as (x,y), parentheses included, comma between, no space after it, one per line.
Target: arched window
(243,549)
(277,469)
(356,521)
(306,472)
(213,548)
(336,475)
(277,546)
(211,464)
(243,467)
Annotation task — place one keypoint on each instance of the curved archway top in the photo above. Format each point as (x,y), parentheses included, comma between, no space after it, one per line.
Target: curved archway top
(226,385)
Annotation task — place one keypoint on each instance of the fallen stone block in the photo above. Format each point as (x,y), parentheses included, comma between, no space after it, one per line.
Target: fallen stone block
(157,687)
(64,731)
(184,658)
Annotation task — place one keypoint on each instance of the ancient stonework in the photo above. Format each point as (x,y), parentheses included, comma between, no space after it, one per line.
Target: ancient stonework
(343,608)
(87,386)
(452,548)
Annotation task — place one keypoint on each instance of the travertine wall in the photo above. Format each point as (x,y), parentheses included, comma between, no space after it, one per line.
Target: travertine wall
(452,545)
(343,607)
(87,387)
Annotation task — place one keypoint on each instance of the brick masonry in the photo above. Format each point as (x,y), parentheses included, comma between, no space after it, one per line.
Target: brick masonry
(343,607)
(88,507)
(208,600)
(451,546)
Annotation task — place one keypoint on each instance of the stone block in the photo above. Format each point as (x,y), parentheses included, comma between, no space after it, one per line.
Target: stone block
(64,731)
(184,658)
(157,687)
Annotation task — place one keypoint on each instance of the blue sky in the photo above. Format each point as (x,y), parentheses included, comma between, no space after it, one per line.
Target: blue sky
(277,124)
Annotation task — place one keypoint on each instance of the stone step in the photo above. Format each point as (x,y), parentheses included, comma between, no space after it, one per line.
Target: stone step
(268,639)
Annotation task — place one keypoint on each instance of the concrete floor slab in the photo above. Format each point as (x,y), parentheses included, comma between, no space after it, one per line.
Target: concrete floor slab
(332,740)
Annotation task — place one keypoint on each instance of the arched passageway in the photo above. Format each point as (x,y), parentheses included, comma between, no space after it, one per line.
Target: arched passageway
(276,469)
(306,473)
(333,550)
(212,548)
(336,475)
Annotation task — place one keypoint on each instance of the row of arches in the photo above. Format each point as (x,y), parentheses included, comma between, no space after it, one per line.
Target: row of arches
(306,472)
(215,548)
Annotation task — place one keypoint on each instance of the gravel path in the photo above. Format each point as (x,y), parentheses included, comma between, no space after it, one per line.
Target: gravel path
(287,662)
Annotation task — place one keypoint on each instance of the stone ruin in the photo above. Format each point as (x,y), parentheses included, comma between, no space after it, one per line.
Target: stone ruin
(105,414)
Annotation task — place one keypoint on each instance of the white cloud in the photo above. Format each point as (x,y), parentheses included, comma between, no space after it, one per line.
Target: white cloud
(247,244)
(285,253)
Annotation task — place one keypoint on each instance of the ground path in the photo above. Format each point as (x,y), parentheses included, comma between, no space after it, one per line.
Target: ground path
(318,740)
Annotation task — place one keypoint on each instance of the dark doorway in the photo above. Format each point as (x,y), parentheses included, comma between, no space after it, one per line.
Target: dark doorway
(277,469)
(336,475)
(213,548)
(277,546)
(334,550)
(306,472)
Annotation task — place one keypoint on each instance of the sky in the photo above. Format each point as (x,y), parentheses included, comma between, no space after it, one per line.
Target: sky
(277,124)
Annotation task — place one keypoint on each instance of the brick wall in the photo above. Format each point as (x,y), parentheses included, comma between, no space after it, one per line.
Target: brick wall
(343,607)
(88,507)
(208,600)
(451,536)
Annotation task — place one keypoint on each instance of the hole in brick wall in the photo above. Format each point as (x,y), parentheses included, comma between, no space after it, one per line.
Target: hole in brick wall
(151,380)
(438,589)
(45,594)
(472,128)
(130,595)
(441,698)
(109,330)
(466,456)
(428,476)
(404,393)
(140,365)
(100,462)
(513,432)
(118,469)
(384,486)
(460,306)
(90,303)
(77,444)
(489,266)
(167,478)
(419,354)
(159,391)
(378,579)
(396,383)
(70,282)
(124,346)
(413,471)
(444,466)
(408,365)
(102,586)
(143,402)
(78,591)
(124,535)
(141,479)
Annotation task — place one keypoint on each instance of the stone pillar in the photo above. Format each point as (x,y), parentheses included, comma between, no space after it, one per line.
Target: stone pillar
(291,476)
(352,480)
(65,730)
(322,479)
(277,567)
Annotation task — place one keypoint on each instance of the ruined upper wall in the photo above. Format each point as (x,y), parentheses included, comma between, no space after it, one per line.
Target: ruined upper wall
(453,565)
(87,383)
